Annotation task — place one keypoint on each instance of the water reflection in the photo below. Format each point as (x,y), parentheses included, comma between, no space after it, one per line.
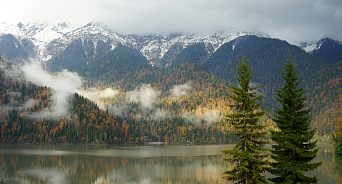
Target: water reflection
(144,164)
(54,176)
(338,167)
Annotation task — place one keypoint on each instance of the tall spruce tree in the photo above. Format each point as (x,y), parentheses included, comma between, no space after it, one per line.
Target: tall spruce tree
(293,150)
(248,157)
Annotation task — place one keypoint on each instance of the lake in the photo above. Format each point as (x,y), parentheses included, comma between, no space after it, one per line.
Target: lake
(140,164)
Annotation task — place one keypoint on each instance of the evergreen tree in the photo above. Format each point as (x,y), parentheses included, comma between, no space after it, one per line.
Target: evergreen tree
(248,154)
(294,149)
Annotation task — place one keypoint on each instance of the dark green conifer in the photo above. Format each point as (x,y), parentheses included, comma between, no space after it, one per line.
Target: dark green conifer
(293,150)
(248,157)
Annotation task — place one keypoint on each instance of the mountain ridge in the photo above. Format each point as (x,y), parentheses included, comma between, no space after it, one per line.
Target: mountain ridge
(48,42)
(51,40)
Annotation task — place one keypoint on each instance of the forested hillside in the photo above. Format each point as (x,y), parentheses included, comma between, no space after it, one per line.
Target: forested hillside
(85,124)
(191,118)
(202,104)
(324,93)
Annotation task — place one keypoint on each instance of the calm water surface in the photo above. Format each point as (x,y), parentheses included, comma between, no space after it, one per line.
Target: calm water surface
(141,164)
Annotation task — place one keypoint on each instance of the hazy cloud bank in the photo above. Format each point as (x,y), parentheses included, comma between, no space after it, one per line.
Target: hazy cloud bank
(180,90)
(202,115)
(144,95)
(63,85)
(305,20)
(96,95)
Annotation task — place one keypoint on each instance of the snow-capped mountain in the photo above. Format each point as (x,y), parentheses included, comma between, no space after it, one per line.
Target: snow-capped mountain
(39,34)
(316,45)
(51,40)
(326,49)
(156,47)
(307,46)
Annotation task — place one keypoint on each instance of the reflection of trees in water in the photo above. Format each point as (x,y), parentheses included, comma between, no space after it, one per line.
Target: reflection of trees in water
(325,172)
(76,168)
(84,166)
(337,159)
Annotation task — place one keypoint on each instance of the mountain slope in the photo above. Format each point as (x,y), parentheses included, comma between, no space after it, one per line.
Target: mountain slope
(196,53)
(266,56)
(71,58)
(328,50)
(16,50)
(324,92)
(127,71)
(119,64)
(178,98)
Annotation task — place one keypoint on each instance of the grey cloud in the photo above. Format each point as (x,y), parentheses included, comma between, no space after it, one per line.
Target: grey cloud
(145,95)
(96,95)
(180,90)
(119,109)
(160,114)
(290,20)
(204,115)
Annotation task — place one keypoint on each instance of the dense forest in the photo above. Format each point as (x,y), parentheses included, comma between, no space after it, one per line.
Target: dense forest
(324,93)
(86,123)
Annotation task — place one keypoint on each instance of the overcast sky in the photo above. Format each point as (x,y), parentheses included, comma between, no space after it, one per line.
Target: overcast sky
(292,20)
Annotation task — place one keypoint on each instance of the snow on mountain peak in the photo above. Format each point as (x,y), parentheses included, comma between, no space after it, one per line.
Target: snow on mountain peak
(155,48)
(312,46)
(51,39)
(41,32)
